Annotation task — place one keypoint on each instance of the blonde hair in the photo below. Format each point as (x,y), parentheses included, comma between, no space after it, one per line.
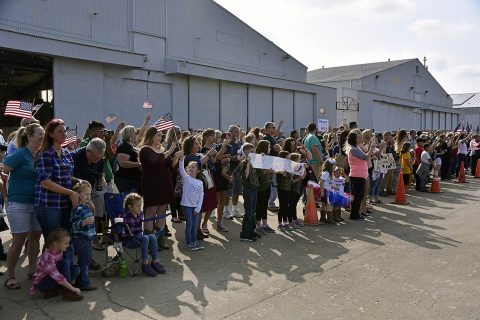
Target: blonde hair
(127,133)
(81,185)
(131,199)
(147,139)
(24,132)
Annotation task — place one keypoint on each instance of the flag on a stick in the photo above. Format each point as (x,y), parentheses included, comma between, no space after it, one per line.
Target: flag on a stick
(147,105)
(17,108)
(37,107)
(110,118)
(457,128)
(164,123)
(71,137)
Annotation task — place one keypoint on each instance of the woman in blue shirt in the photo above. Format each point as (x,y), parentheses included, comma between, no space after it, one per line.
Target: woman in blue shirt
(21,197)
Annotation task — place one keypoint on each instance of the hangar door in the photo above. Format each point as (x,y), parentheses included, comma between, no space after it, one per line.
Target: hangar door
(388,116)
(204,103)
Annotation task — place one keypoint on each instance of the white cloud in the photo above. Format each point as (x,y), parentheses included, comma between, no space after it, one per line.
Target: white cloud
(428,28)
(470,71)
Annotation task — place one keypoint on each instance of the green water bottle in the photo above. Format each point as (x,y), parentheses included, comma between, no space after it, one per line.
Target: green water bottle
(123,269)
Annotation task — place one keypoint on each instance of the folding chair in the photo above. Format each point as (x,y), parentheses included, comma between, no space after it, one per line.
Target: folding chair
(119,232)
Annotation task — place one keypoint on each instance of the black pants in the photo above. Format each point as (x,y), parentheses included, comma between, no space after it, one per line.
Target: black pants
(292,205)
(475,157)
(262,204)
(460,159)
(358,189)
(283,199)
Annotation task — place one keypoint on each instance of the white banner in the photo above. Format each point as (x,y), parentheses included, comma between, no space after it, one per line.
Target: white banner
(277,164)
(385,163)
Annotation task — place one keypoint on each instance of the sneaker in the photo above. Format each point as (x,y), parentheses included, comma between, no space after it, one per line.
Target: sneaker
(192,247)
(228,214)
(199,246)
(281,227)
(221,227)
(268,229)
(299,223)
(205,229)
(293,225)
(238,213)
(261,231)
(258,235)
(287,227)
(148,270)
(158,267)
(249,239)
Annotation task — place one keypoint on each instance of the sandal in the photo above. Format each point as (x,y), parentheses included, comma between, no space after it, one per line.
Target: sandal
(13,285)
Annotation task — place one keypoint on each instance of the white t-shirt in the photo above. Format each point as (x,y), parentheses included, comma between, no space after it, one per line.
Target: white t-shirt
(339,184)
(462,147)
(425,157)
(192,195)
(327,182)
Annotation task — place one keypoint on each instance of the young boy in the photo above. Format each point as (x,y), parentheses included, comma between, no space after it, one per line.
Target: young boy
(83,232)
(250,185)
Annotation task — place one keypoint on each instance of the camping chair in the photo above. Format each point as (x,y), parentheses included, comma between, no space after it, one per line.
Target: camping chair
(119,232)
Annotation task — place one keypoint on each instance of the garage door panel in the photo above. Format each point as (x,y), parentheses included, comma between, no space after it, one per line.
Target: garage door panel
(304,109)
(448,121)
(435,120)
(387,117)
(204,103)
(442,120)
(428,119)
(283,108)
(259,106)
(233,102)
(134,94)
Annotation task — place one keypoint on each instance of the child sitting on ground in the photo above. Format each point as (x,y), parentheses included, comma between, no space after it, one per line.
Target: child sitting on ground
(83,228)
(192,198)
(53,274)
(133,219)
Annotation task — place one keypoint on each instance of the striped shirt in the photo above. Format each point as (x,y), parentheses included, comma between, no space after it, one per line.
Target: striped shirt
(58,170)
(80,213)
(134,223)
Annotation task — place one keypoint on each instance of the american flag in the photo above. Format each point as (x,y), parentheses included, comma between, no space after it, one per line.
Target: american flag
(37,107)
(164,123)
(457,128)
(19,109)
(71,137)
(110,118)
(147,105)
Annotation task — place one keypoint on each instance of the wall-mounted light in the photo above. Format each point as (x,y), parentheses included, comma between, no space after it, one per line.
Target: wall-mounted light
(411,88)
(376,77)
(426,91)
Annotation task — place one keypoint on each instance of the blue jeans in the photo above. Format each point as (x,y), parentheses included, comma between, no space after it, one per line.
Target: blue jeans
(51,219)
(83,249)
(65,268)
(144,242)
(191,224)
(249,204)
(273,192)
(375,185)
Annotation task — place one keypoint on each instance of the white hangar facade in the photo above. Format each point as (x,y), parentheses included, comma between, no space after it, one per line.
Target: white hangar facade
(191,58)
(389,95)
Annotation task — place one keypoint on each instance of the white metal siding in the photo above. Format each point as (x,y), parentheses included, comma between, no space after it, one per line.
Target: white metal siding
(233,101)
(259,106)
(436,120)
(283,108)
(389,116)
(204,103)
(303,109)
(442,120)
(448,120)
(150,17)
(428,119)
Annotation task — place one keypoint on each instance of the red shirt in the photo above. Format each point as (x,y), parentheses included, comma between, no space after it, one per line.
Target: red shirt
(418,154)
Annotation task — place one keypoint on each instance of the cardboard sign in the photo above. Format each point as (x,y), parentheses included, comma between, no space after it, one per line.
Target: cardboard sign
(322,125)
(385,163)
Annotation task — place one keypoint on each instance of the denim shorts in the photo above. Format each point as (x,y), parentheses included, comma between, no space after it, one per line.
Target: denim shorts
(21,217)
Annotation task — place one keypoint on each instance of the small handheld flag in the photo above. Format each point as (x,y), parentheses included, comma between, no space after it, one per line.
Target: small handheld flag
(147,105)
(110,118)
(164,123)
(17,108)
(71,137)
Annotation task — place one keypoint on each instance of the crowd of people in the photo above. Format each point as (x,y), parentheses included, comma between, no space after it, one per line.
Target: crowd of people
(56,190)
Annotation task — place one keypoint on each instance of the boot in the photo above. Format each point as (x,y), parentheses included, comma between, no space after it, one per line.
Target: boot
(323,216)
(330,217)
(162,243)
(71,296)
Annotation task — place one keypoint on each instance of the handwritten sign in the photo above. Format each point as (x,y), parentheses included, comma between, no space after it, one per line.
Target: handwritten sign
(385,163)
(277,164)
(322,125)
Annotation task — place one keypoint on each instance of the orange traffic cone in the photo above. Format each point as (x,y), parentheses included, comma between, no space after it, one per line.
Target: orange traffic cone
(477,170)
(400,197)
(461,174)
(435,187)
(311,217)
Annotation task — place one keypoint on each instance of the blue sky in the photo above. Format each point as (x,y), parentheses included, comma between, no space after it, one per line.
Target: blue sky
(342,32)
